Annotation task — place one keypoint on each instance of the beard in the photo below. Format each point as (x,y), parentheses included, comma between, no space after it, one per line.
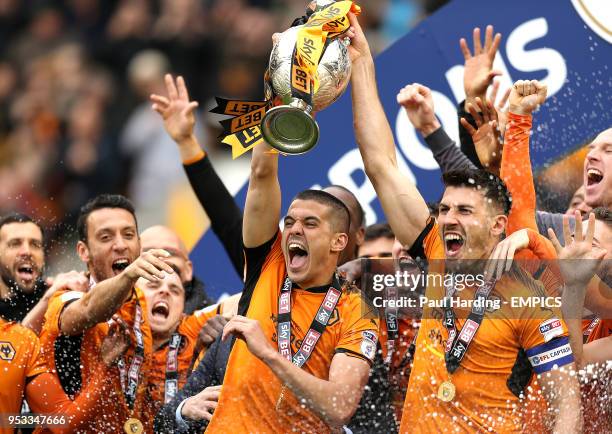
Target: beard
(20,302)
(97,268)
(9,280)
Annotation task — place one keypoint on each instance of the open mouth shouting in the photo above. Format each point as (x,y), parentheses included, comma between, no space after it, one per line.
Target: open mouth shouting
(453,243)
(298,255)
(26,272)
(160,310)
(593,178)
(119,265)
(404,258)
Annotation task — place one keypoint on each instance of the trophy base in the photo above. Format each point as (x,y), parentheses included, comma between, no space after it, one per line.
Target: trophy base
(290,130)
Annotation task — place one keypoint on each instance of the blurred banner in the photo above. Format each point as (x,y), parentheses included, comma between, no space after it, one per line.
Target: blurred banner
(561,43)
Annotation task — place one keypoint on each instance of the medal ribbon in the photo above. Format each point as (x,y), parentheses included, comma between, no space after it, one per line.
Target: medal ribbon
(132,375)
(325,24)
(171,384)
(587,332)
(317,326)
(242,132)
(392,323)
(458,343)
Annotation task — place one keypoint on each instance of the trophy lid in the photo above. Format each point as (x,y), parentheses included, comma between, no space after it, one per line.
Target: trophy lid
(317,5)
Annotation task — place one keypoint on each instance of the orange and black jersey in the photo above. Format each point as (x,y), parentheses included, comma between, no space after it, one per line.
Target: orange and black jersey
(75,359)
(250,389)
(20,362)
(24,375)
(497,366)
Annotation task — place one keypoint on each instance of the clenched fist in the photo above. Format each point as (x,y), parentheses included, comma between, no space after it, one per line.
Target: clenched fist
(526,96)
(418,103)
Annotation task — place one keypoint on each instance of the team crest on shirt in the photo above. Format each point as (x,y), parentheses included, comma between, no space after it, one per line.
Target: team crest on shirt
(7,351)
(368,344)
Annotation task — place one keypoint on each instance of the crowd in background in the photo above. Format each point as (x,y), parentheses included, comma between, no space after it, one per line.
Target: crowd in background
(75,76)
(73,130)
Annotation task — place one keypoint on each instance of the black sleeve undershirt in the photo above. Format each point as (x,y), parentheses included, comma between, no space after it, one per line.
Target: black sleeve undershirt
(225,215)
(467,144)
(255,259)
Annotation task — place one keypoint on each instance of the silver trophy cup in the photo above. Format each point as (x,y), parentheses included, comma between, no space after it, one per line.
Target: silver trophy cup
(290,127)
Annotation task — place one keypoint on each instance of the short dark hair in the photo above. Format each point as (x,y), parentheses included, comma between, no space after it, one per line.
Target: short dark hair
(358,208)
(17,217)
(491,185)
(100,202)
(378,230)
(434,208)
(341,217)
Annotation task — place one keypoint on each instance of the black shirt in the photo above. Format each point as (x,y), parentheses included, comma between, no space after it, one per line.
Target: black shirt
(19,304)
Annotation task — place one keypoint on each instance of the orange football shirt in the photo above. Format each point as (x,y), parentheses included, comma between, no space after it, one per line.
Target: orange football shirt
(19,361)
(483,400)
(250,389)
(596,399)
(189,328)
(110,411)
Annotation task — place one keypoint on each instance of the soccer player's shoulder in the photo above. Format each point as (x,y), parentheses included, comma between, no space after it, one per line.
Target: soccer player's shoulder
(358,304)
(20,333)
(524,284)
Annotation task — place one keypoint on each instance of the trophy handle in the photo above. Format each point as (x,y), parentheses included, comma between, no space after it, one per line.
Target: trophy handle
(290,128)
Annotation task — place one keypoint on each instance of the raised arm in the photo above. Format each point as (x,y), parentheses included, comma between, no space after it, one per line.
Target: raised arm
(72,281)
(218,203)
(478,73)
(486,136)
(579,260)
(525,97)
(263,201)
(402,203)
(562,392)
(103,300)
(418,104)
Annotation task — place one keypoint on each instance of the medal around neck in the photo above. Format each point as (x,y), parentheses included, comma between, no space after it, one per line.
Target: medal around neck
(133,426)
(309,68)
(446,391)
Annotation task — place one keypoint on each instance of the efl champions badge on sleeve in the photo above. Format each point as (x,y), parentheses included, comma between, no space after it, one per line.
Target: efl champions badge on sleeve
(368,344)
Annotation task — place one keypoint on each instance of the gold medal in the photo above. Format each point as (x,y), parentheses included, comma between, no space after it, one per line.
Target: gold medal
(133,426)
(446,391)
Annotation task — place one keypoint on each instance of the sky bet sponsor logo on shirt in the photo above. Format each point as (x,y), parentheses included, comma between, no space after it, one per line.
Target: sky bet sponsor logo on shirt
(551,328)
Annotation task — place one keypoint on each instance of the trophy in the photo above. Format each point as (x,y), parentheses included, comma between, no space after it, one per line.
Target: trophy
(309,69)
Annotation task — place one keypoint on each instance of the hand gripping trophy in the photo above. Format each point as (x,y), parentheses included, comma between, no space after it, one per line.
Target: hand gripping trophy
(309,69)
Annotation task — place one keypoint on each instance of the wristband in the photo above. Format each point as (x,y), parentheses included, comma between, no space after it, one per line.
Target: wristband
(200,155)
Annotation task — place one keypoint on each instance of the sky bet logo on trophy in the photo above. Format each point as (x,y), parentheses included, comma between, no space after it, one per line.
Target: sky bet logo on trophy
(309,69)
